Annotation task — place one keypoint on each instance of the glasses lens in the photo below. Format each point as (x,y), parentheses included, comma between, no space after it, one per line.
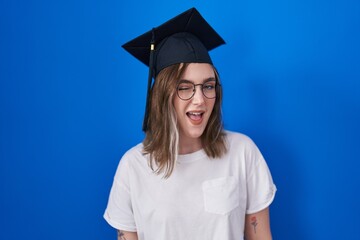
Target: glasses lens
(185,90)
(209,89)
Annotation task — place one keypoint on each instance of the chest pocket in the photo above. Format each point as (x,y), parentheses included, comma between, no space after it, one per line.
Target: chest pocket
(221,195)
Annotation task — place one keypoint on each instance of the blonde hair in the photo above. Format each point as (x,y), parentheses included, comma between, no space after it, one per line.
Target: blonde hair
(162,137)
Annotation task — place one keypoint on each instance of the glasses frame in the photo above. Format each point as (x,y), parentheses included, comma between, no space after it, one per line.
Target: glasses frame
(217,84)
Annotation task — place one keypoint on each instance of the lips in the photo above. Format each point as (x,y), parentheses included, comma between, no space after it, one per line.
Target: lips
(195,117)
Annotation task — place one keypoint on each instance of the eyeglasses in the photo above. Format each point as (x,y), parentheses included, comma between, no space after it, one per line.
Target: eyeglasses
(186,89)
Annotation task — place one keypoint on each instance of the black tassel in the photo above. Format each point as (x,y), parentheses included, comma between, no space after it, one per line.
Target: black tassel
(148,95)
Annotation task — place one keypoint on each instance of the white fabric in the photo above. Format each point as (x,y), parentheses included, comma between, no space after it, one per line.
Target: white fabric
(203,199)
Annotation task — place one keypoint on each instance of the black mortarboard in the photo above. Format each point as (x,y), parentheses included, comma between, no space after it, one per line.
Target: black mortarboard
(186,38)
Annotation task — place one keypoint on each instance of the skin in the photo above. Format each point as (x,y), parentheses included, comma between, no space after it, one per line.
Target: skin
(257,225)
(191,131)
(124,235)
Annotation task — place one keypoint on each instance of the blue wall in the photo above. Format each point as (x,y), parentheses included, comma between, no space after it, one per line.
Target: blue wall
(72,102)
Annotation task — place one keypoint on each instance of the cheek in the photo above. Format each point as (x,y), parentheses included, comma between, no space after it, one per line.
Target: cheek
(211,104)
(178,106)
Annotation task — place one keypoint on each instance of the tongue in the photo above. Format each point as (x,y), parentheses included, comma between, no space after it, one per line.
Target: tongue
(194,117)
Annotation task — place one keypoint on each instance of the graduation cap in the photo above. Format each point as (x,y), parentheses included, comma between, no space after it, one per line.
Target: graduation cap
(186,38)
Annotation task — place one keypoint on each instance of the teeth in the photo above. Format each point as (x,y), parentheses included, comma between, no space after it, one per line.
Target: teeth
(195,113)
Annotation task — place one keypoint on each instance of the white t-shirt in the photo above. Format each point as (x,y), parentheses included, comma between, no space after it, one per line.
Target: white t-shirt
(203,199)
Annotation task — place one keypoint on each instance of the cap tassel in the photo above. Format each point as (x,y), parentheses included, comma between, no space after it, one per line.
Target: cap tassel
(148,97)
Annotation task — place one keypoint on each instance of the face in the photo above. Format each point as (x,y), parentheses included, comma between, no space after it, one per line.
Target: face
(193,114)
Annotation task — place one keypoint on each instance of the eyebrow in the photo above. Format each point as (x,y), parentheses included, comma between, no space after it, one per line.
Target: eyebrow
(205,80)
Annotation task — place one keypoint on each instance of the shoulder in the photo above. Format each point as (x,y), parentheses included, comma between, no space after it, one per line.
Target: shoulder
(236,138)
(132,155)
(131,159)
(134,151)
(239,143)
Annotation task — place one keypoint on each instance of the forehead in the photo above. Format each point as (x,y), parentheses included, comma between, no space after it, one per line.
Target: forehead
(198,72)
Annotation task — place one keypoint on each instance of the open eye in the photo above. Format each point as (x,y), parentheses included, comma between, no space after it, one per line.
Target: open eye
(209,85)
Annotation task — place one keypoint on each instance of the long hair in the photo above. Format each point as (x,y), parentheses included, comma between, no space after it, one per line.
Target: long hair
(162,136)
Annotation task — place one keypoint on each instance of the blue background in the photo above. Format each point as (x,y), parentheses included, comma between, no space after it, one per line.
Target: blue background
(72,103)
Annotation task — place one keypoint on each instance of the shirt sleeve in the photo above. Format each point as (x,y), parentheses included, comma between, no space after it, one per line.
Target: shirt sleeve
(260,187)
(119,211)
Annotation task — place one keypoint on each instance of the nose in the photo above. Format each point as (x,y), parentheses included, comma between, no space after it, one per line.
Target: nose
(198,97)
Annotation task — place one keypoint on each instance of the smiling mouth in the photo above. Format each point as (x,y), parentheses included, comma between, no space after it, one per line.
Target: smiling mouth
(195,117)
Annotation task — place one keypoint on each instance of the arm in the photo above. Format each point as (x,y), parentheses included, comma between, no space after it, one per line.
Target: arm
(257,226)
(123,235)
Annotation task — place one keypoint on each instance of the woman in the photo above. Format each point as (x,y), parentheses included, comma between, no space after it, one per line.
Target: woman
(188,179)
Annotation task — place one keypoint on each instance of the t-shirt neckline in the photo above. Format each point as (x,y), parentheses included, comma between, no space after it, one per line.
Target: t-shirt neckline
(191,157)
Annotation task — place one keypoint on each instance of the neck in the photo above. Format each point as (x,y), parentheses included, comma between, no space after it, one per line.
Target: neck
(189,145)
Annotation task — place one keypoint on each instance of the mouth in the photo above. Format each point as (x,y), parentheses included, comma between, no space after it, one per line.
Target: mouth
(195,117)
